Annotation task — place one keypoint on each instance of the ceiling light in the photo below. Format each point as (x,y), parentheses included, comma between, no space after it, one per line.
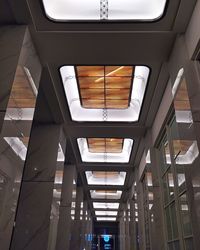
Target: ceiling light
(88,156)
(104,194)
(112,104)
(70,10)
(106,213)
(106,219)
(103,205)
(105,178)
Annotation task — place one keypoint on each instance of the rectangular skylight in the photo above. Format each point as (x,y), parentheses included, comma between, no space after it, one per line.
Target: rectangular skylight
(105,149)
(106,219)
(105,194)
(105,178)
(96,10)
(106,213)
(109,95)
(103,205)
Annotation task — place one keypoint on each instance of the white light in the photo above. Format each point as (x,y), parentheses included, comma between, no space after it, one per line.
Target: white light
(106,219)
(17,146)
(115,180)
(122,157)
(106,213)
(105,194)
(78,113)
(69,10)
(106,205)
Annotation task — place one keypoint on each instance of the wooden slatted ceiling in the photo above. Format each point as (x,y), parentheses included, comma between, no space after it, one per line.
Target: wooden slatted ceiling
(22,95)
(106,191)
(105,174)
(105,86)
(105,145)
(181,100)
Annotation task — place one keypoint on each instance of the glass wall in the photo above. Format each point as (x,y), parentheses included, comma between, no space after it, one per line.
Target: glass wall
(179,163)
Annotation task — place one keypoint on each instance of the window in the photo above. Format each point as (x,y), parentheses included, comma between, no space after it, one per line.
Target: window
(91,10)
(105,149)
(105,93)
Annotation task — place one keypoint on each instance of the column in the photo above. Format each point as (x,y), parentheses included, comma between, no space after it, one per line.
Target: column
(64,224)
(132,226)
(76,231)
(34,204)
(127,236)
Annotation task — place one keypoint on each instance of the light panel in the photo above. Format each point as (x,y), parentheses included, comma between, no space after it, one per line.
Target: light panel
(105,178)
(106,219)
(88,156)
(80,113)
(106,213)
(105,194)
(103,205)
(96,10)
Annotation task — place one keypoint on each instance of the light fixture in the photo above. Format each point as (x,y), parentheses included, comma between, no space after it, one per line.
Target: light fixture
(106,219)
(105,178)
(107,94)
(105,194)
(108,156)
(96,10)
(105,205)
(106,213)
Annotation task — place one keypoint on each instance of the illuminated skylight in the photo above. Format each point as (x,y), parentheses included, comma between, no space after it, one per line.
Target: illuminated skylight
(103,205)
(138,10)
(94,152)
(106,213)
(105,178)
(107,94)
(105,194)
(106,219)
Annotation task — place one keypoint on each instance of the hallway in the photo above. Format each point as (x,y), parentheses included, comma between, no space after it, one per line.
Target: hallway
(99,125)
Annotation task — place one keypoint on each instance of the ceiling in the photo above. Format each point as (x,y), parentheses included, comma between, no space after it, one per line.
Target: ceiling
(103,43)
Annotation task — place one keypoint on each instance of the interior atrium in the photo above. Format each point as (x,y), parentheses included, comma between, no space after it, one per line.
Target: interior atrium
(99,125)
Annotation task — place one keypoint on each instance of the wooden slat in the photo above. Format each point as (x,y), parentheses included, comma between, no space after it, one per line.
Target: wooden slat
(90,70)
(119,70)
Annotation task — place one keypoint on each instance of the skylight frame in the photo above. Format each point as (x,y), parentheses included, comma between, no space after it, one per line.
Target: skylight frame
(119,181)
(104,17)
(80,114)
(123,157)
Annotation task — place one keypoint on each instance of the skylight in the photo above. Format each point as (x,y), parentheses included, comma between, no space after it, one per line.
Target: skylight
(106,219)
(105,178)
(105,149)
(106,213)
(91,10)
(103,205)
(105,194)
(105,93)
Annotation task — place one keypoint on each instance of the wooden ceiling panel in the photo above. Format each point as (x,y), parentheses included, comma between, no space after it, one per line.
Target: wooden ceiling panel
(118,70)
(115,83)
(90,70)
(105,145)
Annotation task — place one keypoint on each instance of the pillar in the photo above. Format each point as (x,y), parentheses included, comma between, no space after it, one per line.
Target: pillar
(32,219)
(64,224)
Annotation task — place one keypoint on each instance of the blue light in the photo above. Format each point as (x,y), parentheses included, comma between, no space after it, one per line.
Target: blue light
(106,238)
